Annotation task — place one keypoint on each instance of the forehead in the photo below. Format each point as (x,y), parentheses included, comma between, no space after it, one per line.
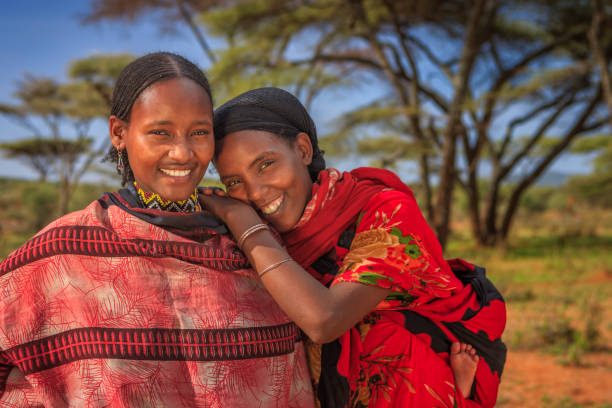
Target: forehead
(244,146)
(182,92)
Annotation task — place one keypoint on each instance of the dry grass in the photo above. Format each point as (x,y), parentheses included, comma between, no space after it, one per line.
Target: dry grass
(556,277)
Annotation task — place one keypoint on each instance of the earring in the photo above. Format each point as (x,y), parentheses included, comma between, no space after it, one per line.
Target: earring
(121,161)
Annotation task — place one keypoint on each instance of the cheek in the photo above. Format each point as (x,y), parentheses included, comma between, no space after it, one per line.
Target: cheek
(238,194)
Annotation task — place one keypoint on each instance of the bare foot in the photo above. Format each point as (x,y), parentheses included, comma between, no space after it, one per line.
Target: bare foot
(463,362)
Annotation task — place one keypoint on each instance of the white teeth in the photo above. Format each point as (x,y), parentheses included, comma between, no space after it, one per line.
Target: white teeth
(272,207)
(176,173)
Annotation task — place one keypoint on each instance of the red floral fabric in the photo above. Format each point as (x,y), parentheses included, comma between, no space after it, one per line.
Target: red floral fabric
(387,359)
(104,309)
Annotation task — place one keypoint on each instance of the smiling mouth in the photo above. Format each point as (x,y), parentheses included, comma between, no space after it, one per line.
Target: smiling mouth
(176,173)
(272,207)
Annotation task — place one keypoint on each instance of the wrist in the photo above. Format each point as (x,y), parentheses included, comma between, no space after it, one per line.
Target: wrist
(253,229)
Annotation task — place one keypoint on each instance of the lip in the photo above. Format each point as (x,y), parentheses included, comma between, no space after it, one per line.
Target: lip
(272,207)
(176,173)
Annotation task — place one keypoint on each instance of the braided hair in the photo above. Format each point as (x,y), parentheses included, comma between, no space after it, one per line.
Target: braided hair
(134,79)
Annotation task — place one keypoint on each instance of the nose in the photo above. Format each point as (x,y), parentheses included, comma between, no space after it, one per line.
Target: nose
(255,192)
(180,151)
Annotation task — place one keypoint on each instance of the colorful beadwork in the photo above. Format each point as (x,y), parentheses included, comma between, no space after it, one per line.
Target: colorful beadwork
(155,202)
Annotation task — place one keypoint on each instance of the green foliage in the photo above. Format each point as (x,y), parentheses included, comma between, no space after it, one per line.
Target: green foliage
(48,108)
(95,78)
(99,68)
(40,201)
(39,96)
(45,147)
(538,199)
(28,206)
(594,188)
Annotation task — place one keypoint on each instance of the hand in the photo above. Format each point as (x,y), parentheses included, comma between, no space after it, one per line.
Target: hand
(237,215)
(212,190)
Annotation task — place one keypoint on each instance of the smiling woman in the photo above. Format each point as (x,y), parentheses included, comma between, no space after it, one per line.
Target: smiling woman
(169,137)
(142,299)
(390,322)
(260,170)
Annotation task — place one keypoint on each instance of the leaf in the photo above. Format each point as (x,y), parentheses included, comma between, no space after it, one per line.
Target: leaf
(372,278)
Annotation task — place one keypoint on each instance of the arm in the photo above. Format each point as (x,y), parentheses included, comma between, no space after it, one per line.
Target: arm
(324,314)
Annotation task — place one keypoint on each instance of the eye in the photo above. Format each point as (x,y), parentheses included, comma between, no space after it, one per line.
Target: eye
(232,183)
(159,132)
(201,132)
(265,164)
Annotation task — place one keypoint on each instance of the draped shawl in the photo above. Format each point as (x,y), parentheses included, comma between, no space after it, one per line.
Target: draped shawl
(116,305)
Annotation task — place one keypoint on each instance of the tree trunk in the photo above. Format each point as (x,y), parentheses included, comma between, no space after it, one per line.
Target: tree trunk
(195,30)
(424,174)
(490,219)
(520,189)
(471,47)
(594,34)
(474,207)
(65,192)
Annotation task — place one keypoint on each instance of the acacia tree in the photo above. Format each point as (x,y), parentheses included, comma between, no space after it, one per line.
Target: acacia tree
(472,86)
(508,92)
(59,117)
(172,11)
(596,187)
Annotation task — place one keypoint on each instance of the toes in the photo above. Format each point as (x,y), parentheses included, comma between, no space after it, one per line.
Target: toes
(455,348)
(464,347)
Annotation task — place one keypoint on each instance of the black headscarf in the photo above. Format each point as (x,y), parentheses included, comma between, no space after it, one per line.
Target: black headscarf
(272,110)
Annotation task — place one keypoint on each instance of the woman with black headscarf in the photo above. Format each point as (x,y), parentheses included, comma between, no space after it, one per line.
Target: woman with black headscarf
(362,273)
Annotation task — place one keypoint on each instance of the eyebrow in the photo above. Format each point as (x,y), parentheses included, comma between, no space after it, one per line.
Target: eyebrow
(253,163)
(169,122)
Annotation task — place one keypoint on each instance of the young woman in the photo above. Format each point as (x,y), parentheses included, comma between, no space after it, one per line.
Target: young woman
(140,299)
(362,272)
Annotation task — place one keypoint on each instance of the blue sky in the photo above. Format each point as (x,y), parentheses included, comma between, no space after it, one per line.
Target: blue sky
(41,37)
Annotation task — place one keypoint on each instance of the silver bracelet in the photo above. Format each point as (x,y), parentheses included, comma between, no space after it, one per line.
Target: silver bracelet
(274,265)
(250,231)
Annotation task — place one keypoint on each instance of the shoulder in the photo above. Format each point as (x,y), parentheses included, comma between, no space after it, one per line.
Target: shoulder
(387,208)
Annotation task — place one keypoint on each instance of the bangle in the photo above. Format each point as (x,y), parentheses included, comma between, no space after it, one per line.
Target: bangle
(274,265)
(250,231)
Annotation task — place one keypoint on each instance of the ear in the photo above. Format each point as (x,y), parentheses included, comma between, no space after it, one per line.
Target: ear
(303,147)
(118,132)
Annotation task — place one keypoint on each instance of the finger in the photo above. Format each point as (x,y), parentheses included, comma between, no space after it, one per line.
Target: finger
(206,190)
(220,193)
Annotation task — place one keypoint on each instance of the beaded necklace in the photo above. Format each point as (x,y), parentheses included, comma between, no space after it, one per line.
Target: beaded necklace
(155,202)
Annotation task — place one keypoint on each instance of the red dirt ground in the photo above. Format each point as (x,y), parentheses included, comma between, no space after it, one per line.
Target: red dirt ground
(533,379)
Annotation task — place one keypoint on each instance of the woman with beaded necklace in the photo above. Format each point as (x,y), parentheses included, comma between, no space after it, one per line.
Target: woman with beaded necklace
(142,299)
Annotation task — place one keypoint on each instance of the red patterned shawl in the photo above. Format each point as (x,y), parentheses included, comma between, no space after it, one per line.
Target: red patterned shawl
(437,307)
(337,199)
(104,309)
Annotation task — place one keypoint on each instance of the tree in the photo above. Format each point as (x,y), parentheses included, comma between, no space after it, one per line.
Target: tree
(595,188)
(495,73)
(171,11)
(471,86)
(41,153)
(59,116)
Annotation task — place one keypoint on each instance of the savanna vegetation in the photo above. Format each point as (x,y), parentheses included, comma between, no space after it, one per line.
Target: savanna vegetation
(482,96)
